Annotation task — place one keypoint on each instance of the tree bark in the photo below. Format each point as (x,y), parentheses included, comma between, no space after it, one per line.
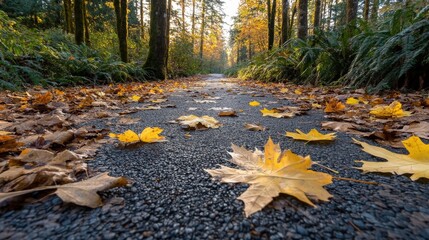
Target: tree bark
(329,16)
(302,19)
(271,22)
(285,22)
(193,24)
(79,22)
(121,12)
(68,23)
(142,35)
(351,10)
(167,34)
(182,5)
(292,18)
(155,62)
(374,10)
(366,10)
(86,22)
(203,25)
(316,17)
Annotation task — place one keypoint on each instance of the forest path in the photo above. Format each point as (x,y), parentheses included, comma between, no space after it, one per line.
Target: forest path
(173,197)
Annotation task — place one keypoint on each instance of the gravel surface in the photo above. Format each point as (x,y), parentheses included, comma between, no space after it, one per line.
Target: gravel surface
(173,198)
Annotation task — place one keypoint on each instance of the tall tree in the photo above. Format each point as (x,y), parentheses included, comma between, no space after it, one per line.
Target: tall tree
(68,16)
(79,21)
(302,19)
(155,62)
(271,6)
(366,10)
(167,34)
(121,12)
(317,15)
(193,23)
(202,28)
(351,10)
(285,22)
(183,8)
(142,35)
(374,10)
(86,23)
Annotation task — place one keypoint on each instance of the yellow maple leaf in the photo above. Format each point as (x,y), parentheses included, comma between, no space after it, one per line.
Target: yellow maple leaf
(313,135)
(275,113)
(334,105)
(352,101)
(43,99)
(392,110)
(298,92)
(148,135)
(415,163)
(271,173)
(284,90)
(135,98)
(199,123)
(254,104)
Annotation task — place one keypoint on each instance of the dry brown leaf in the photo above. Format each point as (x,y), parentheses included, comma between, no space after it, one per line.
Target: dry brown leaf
(8,143)
(254,127)
(82,193)
(198,123)
(227,114)
(271,173)
(420,129)
(334,106)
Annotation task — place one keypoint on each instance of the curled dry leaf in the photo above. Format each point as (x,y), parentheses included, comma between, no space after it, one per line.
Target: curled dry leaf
(36,168)
(254,127)
(420,129)
(415,163)
(313,135)
(334,106)
(198,123)
(148,135)
(394,110)
(82,193)
(8,143)
(227,114)
(271,173)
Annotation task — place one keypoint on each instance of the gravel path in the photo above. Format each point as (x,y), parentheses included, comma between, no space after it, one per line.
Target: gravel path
(173,198)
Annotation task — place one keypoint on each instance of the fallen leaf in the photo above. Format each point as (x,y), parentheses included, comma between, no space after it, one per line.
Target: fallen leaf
(313,135)
(198,123)
(148,135)
(389,111)
(204,101)
(420,129)
(334,105)
(8,143)
(254,104)
(271,173)
(254,127)
(82,193)
(352,101)
(227,114)
(276,114)
(43,99)
(415,163)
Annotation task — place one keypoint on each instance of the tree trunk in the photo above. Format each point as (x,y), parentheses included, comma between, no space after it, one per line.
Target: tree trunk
(366,10)
(351,10)
(302,19)
(155,62)
(79,22)
(271,22)
(142,35)
(167,34)
(292,19)
(374,10)
(86,22)
(285,22)
(182,5)
(193,24)
(329,15)
(121,11)
(68,23)
(203,23)
(316,17)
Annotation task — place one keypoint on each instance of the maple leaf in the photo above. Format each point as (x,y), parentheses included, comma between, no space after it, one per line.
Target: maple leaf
(271,173)
(275,113)
(352,101)
(334,105)
(135,98)
(148,135)
(82,193)
(254,103)
(198,123)
(8,143)
(43,99)
(313,135)
(388,111)
(415,163)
